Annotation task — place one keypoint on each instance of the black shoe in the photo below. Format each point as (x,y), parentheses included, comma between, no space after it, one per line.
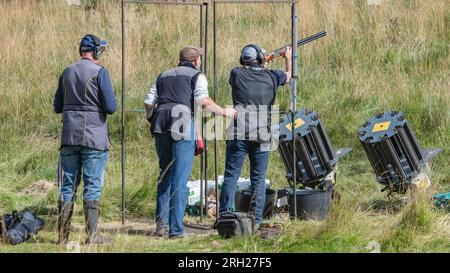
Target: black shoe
(65,211)
(91,216)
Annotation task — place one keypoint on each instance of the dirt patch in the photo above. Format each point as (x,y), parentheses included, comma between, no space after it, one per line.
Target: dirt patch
(147,228)
(39,188)
(192,229)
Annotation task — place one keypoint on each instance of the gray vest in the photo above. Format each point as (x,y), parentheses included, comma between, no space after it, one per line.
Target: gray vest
(254,93)
(84,120)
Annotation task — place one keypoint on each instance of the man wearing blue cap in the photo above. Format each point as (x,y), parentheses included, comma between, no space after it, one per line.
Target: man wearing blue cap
(85,97)
(253,91)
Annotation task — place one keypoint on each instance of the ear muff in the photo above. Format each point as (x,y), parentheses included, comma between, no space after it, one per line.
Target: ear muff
(241,60)
(98,49)
(259,54)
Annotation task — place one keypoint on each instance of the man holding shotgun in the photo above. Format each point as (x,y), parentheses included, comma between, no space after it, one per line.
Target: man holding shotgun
(253,91)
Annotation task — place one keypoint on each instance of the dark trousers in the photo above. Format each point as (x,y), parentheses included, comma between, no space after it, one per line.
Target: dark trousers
(236,153)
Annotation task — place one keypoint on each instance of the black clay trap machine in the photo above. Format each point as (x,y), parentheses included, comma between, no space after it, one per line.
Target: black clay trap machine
(394,153)
(305,142)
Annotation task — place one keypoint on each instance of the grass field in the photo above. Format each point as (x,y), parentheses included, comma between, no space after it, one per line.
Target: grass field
(374,58)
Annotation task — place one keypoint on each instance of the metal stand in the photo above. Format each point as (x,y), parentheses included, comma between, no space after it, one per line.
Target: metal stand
(204,155)
(293,86)
(203,6)
(122,211)
(203,41)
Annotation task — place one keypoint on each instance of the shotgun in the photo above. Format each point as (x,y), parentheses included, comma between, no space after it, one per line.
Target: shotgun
(280,51)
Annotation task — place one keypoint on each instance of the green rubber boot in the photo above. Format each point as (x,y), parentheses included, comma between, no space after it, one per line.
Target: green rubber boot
(65,210)
(91,216)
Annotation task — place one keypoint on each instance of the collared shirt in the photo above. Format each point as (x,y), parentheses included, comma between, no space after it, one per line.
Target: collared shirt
(200,91)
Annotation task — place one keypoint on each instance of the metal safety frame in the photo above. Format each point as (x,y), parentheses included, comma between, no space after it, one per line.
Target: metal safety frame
(203,9)
(293,83)
(203,6)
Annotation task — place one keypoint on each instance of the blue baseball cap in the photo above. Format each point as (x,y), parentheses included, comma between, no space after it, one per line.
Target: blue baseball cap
(90,42)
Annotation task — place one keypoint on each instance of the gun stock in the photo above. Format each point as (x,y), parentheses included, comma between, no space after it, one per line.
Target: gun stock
(280,51)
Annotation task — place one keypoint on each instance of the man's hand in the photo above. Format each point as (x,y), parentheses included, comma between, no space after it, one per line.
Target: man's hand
(288,58)
(149,109)
(288,53)
(229,112)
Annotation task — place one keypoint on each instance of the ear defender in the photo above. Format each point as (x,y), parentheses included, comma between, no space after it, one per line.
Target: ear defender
(98,48)
(241,60)
(259,54)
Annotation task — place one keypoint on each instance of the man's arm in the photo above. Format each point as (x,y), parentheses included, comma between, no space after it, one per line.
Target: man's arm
(149,107)
(202,98)
(107,95)
(209,105)
(150,100)
(58,101)
(288,58)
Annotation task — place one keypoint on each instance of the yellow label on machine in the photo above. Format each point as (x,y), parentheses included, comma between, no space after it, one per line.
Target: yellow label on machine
(298,122)
(381,126)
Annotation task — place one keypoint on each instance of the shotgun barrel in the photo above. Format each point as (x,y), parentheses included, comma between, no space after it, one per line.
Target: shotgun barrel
(280,51)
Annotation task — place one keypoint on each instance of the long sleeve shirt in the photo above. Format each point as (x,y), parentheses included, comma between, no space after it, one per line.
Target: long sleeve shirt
(200,91)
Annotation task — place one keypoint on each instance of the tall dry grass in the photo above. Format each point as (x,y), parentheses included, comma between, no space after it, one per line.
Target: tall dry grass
(374,58)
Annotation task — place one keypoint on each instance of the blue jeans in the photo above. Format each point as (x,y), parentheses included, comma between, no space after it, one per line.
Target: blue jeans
(175,165)
(237,151)
(77,161)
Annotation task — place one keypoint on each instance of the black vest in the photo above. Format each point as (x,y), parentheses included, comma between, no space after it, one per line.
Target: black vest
(254,93)
(174,87)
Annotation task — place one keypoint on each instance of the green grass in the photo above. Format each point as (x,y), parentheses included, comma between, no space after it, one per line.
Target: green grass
(393,56)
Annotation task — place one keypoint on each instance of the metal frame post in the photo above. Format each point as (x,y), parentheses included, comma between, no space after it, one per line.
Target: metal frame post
(205,66)
(201,119)
(216,180)
(293,86)
(203,156)
(122,211)
(203,29)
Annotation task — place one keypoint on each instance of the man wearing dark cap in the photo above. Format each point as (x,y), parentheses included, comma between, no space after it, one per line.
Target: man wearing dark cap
(253,91)
(85,97)
(170,104)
